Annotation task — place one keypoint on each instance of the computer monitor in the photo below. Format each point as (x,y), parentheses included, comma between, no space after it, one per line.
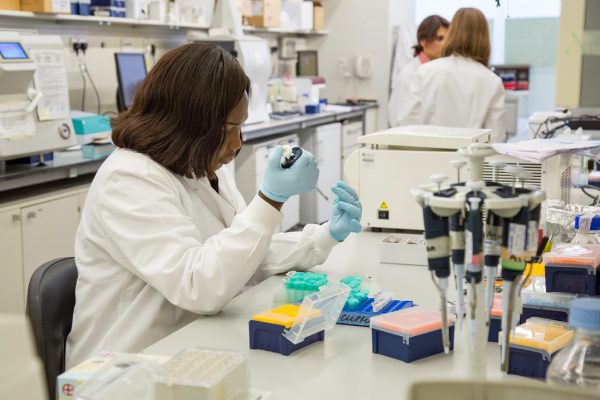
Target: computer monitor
(308,63)
(131,71)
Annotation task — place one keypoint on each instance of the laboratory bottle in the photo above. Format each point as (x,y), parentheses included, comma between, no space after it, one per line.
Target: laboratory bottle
(579,362)
(588,229)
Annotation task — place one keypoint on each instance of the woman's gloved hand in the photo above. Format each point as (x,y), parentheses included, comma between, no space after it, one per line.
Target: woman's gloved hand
(346,214)
(281,183)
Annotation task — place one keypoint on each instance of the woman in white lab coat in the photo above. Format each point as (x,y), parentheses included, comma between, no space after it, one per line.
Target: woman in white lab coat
(459,89)
(430,41)
(165,235)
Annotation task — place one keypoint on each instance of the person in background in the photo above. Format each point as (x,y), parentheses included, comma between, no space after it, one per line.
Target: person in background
(165,235)
(459,89)
(431,36)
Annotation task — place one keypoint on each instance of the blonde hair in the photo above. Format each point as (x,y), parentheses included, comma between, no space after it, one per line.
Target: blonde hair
(468,36)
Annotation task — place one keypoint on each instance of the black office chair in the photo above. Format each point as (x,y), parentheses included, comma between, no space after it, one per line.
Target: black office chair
(50,304)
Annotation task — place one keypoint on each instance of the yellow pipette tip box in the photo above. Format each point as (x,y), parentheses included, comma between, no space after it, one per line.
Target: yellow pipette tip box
(284,315)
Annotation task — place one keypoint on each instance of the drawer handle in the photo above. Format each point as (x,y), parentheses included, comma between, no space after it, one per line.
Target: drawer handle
(16,218)
(31,214)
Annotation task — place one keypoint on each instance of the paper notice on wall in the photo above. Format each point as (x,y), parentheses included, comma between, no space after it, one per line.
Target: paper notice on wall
(50,78)
(15,122)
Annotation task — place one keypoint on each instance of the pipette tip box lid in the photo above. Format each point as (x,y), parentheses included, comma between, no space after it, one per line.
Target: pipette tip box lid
(553,306)
(290,327)
(533,344)
(410,334)
(207,374)
(572,268)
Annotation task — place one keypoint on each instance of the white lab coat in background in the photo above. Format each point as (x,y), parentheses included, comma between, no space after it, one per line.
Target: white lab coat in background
(398,103)
(154,250)
(457,91)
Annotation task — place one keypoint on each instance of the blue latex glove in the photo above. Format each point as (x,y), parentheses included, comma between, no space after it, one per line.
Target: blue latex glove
(281,183)
(346,214)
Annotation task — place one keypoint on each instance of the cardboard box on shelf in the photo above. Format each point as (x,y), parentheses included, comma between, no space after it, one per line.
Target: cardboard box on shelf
(14,5)
(47,6)
(265,14)
(318,16)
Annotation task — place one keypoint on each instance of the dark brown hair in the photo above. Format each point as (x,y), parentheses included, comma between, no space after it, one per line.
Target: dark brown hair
(179,111)
(468,36)
(428,30)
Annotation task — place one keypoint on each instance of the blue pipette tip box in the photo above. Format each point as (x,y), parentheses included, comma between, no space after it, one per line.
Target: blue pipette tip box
(528,363)
(495,327)
(361,315)
(410,334)
(572,279)
(269,337)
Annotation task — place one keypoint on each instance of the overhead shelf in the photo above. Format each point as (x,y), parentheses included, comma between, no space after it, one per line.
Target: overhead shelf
(280,31)
(113,21)
(105,21)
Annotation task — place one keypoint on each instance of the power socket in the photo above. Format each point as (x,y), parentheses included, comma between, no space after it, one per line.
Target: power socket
(345,67)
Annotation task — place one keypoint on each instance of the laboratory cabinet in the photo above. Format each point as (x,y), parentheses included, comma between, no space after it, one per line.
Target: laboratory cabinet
(33,231)
(325,142)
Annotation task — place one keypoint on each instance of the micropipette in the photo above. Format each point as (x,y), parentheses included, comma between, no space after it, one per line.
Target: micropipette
(457,240)
(492,249)
(513,264)
(438,251)
(290,155)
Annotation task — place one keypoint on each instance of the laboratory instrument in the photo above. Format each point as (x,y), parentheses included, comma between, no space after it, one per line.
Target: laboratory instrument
(409,334)
(378,171)
(385,195)
(34,96)
(534,344)
(290,155)
(479,209)
(579,362)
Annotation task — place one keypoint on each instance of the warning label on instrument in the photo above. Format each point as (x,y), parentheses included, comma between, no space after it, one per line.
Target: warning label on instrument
(383,205)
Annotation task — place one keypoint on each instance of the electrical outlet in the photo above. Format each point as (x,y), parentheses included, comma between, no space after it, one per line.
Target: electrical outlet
(344,67)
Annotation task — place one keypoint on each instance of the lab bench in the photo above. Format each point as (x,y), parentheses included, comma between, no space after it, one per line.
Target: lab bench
(343,366)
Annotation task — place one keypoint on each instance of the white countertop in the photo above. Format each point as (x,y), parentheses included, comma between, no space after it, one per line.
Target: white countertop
(343,366)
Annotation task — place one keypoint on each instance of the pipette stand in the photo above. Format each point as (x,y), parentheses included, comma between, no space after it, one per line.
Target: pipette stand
(505,203)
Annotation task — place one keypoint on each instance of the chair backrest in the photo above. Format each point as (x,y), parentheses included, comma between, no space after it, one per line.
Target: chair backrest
(50,304)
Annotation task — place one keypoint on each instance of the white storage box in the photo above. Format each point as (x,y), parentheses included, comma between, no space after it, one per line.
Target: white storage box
(402,249)
(297,14)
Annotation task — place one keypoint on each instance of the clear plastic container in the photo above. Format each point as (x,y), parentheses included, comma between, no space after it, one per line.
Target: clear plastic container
(579,362)
(585,256)
(588,229)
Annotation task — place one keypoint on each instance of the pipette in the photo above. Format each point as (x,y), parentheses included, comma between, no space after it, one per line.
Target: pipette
(290,155)
(513,265)
(474,261)
(492,248)
(457,241)
(438,253)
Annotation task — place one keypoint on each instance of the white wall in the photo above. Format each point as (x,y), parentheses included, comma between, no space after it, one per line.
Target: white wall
(359,27)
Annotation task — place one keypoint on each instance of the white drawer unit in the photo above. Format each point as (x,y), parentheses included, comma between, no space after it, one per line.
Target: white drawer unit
(32,231)
(325,143)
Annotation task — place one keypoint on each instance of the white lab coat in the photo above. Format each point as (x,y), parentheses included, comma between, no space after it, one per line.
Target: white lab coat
(457,91)
(398,103)
(154,250)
